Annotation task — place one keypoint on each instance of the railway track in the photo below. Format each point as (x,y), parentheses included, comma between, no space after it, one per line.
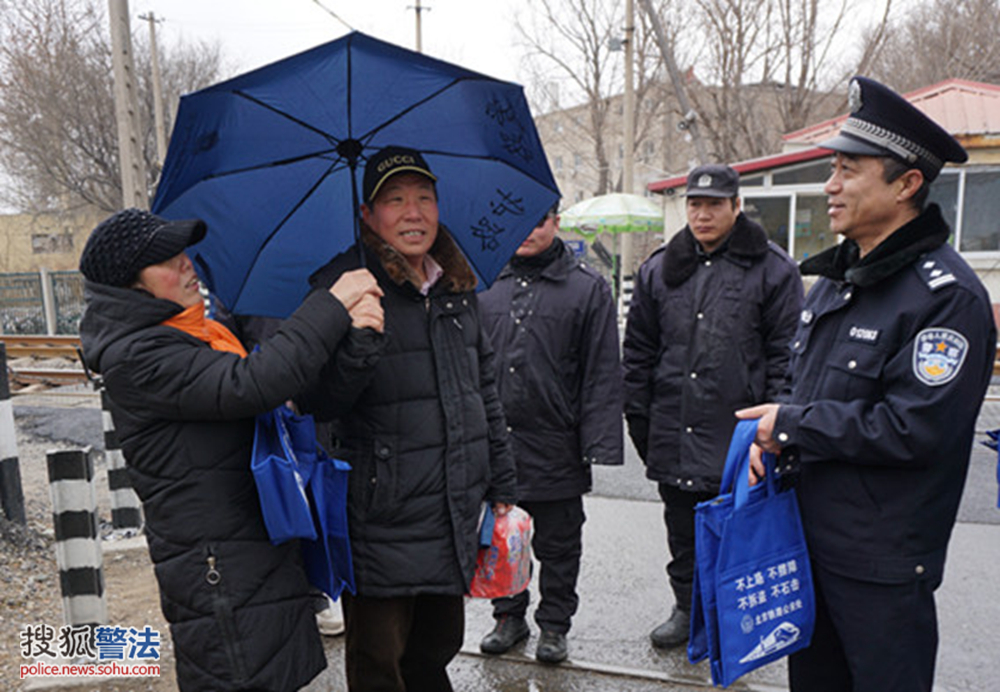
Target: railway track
(42,347)
(49,376)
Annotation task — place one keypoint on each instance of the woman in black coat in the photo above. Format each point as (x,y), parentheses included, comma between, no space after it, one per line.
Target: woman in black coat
(184,398)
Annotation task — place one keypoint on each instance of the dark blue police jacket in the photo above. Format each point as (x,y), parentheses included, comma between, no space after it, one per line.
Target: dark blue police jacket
(889,367)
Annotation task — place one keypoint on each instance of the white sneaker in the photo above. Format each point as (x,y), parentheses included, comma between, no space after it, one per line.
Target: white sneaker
(330,620)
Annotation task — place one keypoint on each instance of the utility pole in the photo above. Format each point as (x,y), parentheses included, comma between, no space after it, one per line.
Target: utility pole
(160,124)
(417,10)
(130,159)
(689,123)
(628,155)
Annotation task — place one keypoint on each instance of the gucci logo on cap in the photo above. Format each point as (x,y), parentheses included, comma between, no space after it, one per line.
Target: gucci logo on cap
(397,160)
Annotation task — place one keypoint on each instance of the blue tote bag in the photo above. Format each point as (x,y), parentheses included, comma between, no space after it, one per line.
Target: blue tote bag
(753,600)
(328,561)
(303,494)
(284,455)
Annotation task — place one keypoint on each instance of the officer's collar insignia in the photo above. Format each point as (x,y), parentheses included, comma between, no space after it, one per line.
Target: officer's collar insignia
(936,274)
(938,355)
(705,181)
(854,97)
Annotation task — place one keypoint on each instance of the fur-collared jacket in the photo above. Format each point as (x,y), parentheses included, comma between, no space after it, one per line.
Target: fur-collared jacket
(416,413)
(706,335)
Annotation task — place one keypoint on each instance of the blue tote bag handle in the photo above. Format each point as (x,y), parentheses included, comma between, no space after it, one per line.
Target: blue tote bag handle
(735,475)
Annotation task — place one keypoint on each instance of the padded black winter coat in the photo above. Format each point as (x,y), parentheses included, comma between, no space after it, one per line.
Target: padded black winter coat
(416,413)
(705,336)
(239,608)
(556,338)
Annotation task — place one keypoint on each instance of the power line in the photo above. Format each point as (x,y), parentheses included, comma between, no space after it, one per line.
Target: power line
(333,14)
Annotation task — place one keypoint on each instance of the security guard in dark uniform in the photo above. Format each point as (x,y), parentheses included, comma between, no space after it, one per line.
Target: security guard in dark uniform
(890,364)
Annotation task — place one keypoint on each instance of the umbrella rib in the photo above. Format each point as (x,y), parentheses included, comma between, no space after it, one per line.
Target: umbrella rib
(278,227)
(270,164)
(287,116)
(371,133)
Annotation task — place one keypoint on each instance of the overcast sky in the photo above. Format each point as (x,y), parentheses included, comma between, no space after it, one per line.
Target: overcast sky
(477,34)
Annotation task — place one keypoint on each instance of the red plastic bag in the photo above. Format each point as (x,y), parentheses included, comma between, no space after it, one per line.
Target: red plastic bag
(504,568)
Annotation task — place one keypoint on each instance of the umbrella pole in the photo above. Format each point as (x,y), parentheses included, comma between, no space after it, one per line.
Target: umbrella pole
(357,215)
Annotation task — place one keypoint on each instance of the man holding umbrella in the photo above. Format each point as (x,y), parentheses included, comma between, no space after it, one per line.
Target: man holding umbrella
(416,412)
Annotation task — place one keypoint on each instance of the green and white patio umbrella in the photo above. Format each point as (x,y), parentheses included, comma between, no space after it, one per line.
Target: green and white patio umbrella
(614,213)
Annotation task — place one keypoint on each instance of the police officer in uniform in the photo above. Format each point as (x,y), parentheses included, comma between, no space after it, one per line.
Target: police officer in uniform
(890,363)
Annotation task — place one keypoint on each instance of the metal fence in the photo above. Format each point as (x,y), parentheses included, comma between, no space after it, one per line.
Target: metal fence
(41,303)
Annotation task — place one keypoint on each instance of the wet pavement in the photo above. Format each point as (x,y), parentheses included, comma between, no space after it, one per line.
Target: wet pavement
(624,594)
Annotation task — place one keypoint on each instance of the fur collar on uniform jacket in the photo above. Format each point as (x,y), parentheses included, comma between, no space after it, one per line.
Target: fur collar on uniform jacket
(840,263)
(445,252)
(747,243)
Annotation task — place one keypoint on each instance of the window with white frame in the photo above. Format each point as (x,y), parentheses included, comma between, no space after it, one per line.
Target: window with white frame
(969,198)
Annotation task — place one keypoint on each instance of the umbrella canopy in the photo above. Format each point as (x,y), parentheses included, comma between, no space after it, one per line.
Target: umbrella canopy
(614,213)
(272,160)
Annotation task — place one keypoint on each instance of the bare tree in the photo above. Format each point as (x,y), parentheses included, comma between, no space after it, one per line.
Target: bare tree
(942,39)
(774,66)
(569,42)
(756,69)
(576,44)
(58,137)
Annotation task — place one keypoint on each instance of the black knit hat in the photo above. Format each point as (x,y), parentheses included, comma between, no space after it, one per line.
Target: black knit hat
(389,161)
(883,123)
(131,240)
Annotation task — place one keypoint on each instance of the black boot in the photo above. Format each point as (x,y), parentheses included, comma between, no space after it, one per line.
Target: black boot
(508,631)
(551,647)
(674,631)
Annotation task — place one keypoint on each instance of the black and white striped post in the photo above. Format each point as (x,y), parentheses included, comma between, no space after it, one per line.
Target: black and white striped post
(78,545)
(11,494)
(126,510)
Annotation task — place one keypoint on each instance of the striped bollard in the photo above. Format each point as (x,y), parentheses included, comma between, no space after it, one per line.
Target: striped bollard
(78,545)
(126,510)
(11,494)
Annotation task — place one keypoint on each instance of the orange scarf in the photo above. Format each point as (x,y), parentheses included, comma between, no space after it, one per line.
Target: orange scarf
(193,321)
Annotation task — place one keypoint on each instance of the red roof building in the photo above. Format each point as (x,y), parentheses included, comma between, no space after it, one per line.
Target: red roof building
(784,192)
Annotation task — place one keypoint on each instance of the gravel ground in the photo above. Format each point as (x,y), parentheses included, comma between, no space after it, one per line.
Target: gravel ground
(29,577)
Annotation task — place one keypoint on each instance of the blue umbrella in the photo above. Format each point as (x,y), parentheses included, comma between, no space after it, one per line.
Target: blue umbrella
(272,160)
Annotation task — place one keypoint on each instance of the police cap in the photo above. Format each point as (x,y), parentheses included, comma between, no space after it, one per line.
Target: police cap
(883,123)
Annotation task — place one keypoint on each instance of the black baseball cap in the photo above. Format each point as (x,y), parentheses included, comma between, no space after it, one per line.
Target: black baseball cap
(713,180)
(389,161)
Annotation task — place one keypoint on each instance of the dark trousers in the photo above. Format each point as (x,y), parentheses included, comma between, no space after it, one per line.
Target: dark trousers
(557,543)
(868,638)
(401,644)
(678,515)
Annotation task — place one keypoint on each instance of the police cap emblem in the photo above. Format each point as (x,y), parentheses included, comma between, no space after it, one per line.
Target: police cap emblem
(938,355)
(854,96)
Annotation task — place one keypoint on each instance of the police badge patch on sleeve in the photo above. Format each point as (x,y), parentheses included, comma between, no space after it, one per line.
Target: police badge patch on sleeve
(938,355)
